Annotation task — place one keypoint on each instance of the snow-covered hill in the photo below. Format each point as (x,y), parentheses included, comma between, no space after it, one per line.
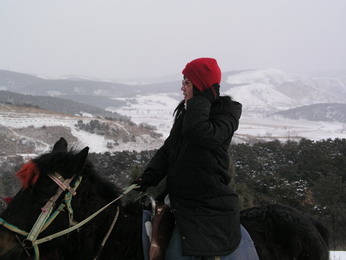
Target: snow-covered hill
(330,112)
(262,93)
(273,90)
(337,255)
(157,110)
(33,130)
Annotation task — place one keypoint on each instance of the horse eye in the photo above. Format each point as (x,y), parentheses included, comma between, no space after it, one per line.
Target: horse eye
(44,189)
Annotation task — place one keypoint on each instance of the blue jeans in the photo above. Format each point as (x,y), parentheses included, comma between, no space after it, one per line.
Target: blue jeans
(245,251)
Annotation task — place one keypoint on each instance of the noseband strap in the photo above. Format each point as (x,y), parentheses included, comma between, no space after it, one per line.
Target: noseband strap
(46,217)
(48,208)
(62,183)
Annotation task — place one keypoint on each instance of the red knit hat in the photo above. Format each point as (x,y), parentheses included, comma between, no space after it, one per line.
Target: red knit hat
(203,73)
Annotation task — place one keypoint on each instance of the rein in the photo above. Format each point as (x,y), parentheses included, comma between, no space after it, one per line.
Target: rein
(68,230)
(46,217)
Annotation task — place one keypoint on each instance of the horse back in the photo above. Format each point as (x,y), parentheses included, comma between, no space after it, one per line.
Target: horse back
(282,232)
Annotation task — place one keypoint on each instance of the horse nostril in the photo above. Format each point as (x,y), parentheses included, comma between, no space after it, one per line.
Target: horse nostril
(7,242)
(26,245)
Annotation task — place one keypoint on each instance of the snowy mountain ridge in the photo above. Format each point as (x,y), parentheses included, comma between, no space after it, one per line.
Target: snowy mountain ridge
(270,90)
(263,94)
(274,90)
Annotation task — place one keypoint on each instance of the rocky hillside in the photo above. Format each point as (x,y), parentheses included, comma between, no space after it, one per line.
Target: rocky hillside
(27,129)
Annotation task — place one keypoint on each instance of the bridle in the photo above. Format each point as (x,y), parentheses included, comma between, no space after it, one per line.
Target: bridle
(47,215)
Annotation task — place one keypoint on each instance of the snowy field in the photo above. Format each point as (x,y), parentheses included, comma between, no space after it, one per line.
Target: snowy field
(284,129)
(261,93)
(97,143)
(157,110)
(337,255)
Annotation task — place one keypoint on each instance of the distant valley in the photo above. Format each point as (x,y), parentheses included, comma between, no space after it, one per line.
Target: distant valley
(276,105)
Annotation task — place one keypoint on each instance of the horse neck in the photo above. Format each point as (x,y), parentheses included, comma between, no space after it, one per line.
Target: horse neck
(125,241)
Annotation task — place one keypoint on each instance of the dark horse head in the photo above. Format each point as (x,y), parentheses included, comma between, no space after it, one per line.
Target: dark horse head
(38,188)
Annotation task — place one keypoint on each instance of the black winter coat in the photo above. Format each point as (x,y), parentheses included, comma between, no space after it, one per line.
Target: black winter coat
(195,160)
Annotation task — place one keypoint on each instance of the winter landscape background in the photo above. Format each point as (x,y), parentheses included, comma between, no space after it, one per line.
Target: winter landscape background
(276,105)
(106,74)
(114,117)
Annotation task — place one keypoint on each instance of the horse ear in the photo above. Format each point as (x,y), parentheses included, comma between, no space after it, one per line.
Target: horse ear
(81,158)
(60,146)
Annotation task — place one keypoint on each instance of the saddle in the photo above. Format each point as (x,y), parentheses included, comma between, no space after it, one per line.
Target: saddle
(158,224)
(157,227)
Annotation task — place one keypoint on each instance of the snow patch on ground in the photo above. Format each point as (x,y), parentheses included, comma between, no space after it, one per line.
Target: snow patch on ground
(97,143)
(337,255)
(156,110)
(284,129)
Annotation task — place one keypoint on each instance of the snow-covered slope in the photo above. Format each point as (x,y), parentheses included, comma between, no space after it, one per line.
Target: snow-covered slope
(274,90)
(16,120)
(156,110)
(337,255)
(262,93)
(328,112)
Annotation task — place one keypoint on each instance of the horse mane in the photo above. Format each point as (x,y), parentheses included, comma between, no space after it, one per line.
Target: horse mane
(64,163)
(103,186)
(28,174)
(61,162)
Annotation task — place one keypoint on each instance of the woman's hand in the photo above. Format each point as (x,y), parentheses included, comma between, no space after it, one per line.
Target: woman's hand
(211,93)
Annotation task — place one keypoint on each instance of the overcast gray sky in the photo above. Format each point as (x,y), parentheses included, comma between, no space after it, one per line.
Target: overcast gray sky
(144,38)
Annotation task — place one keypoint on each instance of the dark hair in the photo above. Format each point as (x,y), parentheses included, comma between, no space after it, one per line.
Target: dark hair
(179,110)
(221,101)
